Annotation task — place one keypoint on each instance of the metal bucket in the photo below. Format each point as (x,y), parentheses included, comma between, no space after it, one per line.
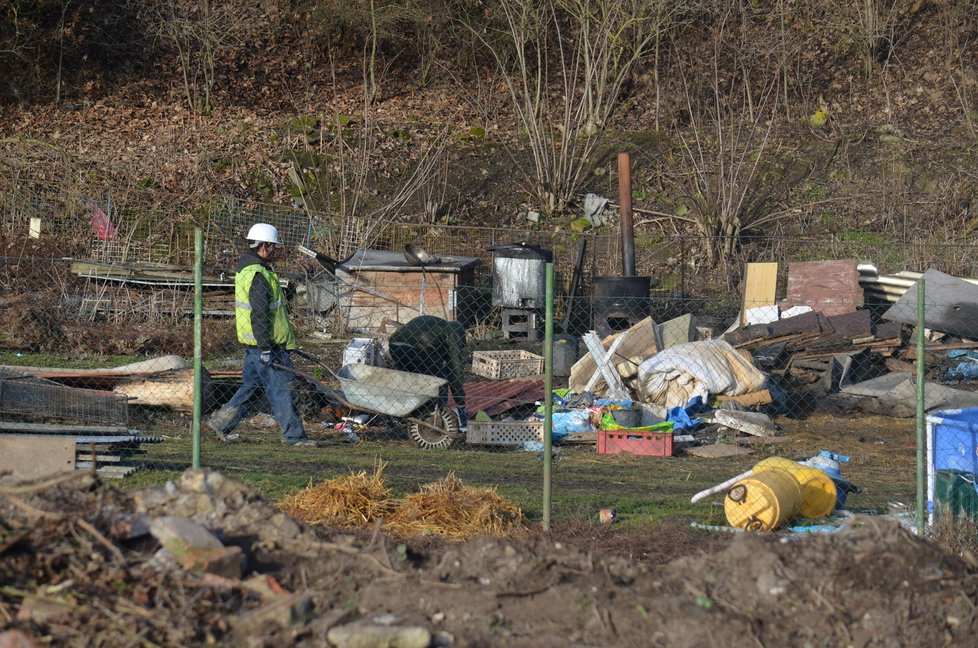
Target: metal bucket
(564,354)
(627,417)
(519,275)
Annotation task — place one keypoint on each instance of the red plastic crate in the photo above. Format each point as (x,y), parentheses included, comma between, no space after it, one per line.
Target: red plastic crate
(647,443)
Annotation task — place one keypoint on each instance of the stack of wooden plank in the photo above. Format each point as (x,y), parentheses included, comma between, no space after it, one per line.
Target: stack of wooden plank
(152,290)
(45,425)
(805,346)
(36,449)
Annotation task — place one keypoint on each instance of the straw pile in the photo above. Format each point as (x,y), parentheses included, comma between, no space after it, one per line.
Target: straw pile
(349,501)
(450,509)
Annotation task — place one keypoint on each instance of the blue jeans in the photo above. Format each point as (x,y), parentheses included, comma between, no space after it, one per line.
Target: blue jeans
(256,377)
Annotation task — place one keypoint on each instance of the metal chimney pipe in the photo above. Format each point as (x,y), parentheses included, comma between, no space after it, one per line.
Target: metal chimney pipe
(625,207)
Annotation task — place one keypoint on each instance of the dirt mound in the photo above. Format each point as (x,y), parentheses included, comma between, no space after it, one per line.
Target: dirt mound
(77,565)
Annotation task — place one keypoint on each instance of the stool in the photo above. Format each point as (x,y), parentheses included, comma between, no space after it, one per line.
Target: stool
(520,324)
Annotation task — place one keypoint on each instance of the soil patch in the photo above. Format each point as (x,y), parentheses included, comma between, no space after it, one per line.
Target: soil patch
(75,568)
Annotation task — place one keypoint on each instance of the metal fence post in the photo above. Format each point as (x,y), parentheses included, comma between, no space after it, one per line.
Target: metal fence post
(921,423)
(198,345)
(548,387)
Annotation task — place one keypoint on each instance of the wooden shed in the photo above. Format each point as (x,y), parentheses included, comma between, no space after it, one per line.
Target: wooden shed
(380,284)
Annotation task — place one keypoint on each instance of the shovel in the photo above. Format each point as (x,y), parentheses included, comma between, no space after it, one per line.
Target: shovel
(417,256)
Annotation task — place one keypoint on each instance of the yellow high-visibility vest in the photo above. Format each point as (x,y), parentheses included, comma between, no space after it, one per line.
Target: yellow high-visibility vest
(281,328)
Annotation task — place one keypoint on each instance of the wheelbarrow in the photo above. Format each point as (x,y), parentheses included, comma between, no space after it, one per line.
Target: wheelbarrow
(413,398)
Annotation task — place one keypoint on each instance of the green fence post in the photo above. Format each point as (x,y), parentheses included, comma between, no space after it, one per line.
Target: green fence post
(548,387)
(198,345)
(921,427)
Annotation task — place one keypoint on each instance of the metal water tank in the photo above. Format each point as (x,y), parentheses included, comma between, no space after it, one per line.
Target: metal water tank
(519,275)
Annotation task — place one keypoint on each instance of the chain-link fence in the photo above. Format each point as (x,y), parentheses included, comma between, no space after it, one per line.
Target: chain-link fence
(431,360)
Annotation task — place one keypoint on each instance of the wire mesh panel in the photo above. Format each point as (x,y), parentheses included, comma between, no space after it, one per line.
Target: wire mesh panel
(39,398)
(672,377)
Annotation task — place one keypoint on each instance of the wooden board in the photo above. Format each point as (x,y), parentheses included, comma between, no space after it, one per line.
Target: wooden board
(762,397)
(173,389)
(830,287)
(760,287)
(678,330)
(640,343)
(34,456)
(717,451)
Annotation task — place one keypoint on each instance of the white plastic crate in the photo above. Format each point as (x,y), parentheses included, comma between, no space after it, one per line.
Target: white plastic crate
(502,365)
(503,432)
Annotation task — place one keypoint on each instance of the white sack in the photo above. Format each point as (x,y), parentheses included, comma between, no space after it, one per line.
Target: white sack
(673,377)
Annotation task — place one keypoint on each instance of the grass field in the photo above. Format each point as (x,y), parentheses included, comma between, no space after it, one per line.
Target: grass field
(645,490)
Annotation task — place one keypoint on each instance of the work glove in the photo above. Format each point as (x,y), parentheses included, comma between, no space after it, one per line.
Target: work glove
(266,358)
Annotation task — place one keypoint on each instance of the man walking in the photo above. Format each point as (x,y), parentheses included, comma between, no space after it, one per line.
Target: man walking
(264,330)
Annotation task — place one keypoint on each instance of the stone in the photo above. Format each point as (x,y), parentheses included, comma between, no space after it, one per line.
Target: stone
(15,639)
(41,610)
(289,610)
(361,634)
(194,547)
(127,526)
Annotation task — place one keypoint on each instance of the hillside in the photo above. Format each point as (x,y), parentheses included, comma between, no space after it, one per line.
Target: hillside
(750,126)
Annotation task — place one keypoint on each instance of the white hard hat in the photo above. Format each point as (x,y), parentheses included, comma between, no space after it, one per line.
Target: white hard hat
(263,233)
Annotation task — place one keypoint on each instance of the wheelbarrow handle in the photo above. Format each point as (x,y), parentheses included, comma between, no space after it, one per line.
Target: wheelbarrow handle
(312,358)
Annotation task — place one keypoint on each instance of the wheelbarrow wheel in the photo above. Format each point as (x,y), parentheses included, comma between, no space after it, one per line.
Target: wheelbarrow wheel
(440,429)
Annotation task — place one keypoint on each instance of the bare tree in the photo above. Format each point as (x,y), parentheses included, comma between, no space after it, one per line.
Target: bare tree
(564,63)
(199,31)
(870,25)
(340,190)
(721,152)
(959,22)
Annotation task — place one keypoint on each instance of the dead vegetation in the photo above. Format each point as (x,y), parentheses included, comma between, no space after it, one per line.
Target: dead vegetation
(870,107)
(78,566)
(346,501)
(445,508)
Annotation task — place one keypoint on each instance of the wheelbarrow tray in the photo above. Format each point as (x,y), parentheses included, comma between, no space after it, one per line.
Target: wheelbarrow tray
(387,391)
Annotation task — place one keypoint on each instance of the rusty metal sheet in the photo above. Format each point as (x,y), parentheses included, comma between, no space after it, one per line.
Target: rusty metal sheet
(830,287)
(497,396)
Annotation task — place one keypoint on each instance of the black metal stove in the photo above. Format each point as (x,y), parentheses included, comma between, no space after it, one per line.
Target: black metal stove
(618,303)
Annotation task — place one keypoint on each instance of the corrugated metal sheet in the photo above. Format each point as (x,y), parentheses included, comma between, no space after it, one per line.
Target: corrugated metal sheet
(890,288)
(497,396)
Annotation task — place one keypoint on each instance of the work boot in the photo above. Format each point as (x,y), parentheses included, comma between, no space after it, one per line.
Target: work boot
(219,433)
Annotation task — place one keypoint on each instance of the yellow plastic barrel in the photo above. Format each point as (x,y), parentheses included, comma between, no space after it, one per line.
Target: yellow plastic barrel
(818,491)
(763,501)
